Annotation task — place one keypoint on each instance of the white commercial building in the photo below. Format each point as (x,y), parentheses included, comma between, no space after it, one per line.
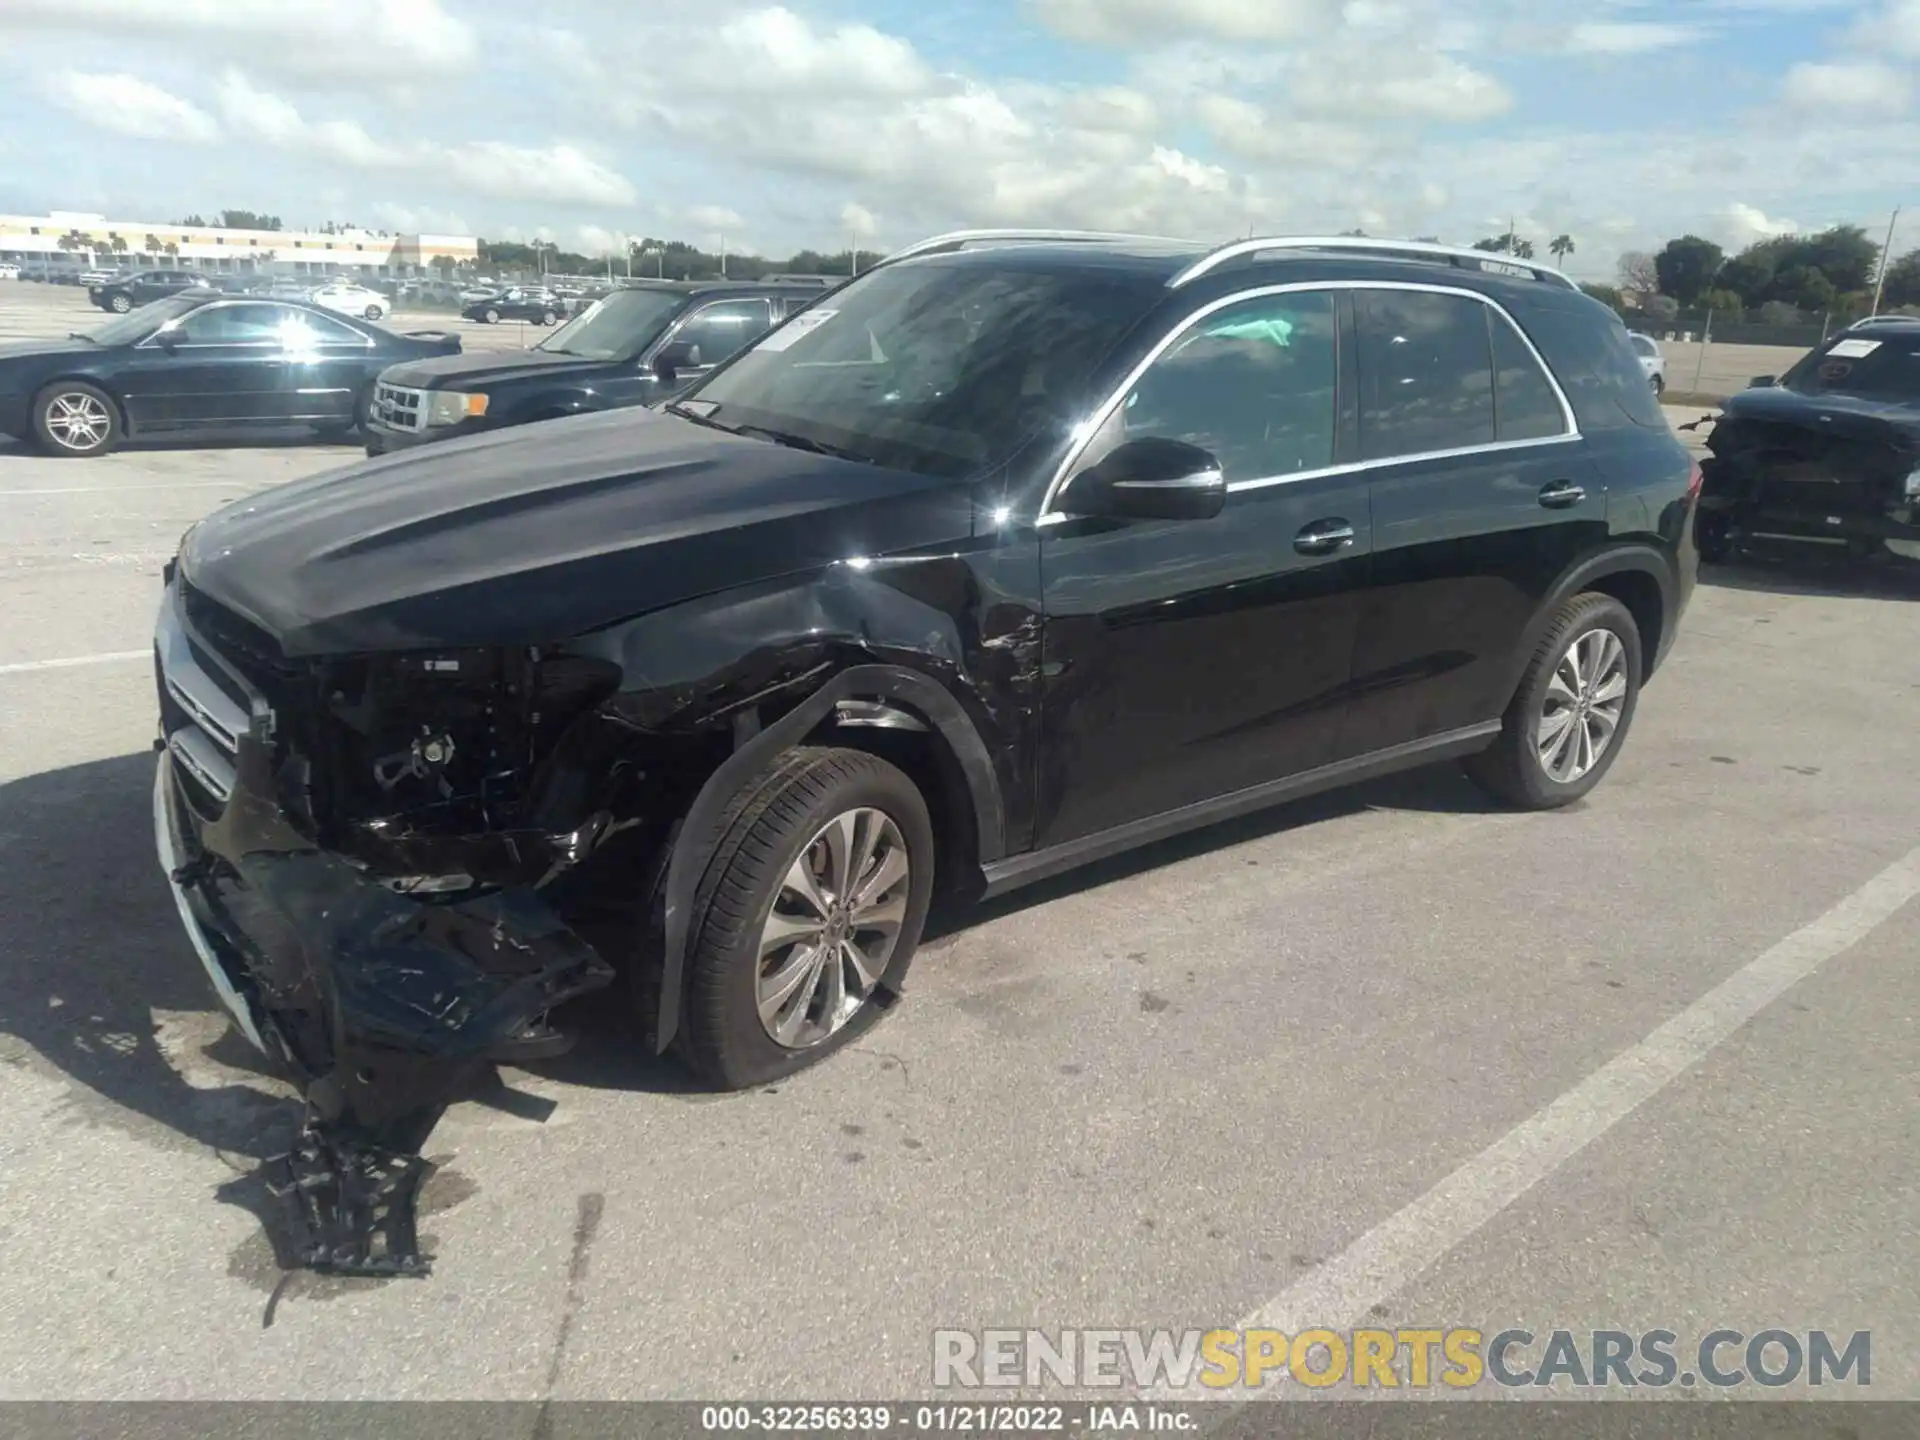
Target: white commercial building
(67,240)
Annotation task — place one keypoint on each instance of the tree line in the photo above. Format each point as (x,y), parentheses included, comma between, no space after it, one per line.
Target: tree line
(1778,279)
(669,259)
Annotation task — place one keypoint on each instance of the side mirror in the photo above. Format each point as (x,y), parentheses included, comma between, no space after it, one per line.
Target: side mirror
(1150,479)
(167,337)
(668,360)
(1760,382)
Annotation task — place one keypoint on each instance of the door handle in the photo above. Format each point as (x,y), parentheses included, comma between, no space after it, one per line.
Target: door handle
(1323,537)
(1559,494)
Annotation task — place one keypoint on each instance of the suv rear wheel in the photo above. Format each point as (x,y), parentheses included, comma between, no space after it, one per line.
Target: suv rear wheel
(1572,711)
(121,304)
(809,914)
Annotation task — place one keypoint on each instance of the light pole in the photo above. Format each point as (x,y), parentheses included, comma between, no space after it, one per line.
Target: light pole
(1886,262)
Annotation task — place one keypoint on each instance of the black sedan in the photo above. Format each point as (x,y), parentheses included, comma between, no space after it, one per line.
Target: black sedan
(543,307)
(200,362)
(129,292)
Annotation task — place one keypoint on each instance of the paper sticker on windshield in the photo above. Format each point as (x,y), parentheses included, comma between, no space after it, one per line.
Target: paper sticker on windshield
(798,328)
(1852,349)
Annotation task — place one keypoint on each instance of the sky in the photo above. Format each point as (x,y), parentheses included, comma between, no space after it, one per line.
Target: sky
(820,122)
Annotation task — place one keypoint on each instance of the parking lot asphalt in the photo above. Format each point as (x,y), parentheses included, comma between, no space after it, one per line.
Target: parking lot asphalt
(1392,1057)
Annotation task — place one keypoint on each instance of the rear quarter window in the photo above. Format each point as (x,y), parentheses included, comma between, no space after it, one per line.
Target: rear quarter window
(1593,358)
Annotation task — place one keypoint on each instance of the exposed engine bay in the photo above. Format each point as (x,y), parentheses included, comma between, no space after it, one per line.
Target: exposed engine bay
(367,854)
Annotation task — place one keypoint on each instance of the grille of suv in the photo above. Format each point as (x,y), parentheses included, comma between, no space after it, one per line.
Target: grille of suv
(399,407)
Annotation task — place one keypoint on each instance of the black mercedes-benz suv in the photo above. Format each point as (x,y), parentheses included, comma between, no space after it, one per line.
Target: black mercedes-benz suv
(1013,553)
(636,346)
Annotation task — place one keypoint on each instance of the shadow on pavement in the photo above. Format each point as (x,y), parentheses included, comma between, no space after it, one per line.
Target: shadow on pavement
(1815,570)
(91,955)
(295,437)
(91,949)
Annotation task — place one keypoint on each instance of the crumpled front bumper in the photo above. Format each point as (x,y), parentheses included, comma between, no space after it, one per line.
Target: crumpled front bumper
(382,1002)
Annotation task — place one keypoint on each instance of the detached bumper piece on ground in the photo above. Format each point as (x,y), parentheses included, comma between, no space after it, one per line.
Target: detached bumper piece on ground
(353,1206)
(385,1005)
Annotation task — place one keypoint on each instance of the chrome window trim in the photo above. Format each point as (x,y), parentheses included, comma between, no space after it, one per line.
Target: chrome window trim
(150,343)
(1093,426)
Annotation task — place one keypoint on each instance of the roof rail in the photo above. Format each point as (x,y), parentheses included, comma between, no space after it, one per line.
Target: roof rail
(1403,249)
(960,239)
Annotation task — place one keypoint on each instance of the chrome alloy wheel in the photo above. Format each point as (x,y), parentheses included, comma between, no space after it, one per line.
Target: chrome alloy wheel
(77,421)
(1581,713)
(832,928)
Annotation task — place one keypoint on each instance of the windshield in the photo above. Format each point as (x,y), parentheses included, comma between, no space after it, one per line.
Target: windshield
(932,367)
(138,324)
(1643,346)
(1872,368)
(621,325)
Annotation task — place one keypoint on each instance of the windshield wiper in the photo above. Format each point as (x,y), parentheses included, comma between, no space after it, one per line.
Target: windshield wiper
(675,407)
(800,442)
(77,335)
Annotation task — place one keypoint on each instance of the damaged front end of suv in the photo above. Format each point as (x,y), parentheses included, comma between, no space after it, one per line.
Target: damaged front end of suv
(1829,455)
(360,851)
(431,728)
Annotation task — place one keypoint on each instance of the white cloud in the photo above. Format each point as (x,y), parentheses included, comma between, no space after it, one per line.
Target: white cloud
(128,105)
(858,221)
(357,39)
(1116,108)
(1864,86)
(1894,28)
(715,217)
(1630,37)
(1747,223)
(780,52)
(1127,22)
(559,173)
(1435,87)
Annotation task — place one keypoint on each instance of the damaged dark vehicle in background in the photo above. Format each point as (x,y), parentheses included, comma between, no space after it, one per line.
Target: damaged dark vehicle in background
(1014,553)
(1829,455)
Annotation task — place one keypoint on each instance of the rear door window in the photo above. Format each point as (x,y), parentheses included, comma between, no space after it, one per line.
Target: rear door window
(1426,373)
(1525,405)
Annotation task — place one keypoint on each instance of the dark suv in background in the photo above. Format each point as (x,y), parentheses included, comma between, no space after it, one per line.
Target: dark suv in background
(633,347)
(1015,552)
(143,287)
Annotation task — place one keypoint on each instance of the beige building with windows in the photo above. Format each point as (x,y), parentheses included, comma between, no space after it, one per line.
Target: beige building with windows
(72,240)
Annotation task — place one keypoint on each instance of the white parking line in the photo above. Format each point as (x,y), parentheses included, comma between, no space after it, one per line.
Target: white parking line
(109,657)
(1387,1258)
(157,486)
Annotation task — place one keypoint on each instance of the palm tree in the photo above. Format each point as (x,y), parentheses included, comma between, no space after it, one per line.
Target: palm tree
(117,244)
(1561,246)
(151,246)
(1522,248)
(172,250)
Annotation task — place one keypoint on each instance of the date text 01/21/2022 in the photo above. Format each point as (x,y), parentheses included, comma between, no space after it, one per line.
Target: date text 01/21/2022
(947,1419)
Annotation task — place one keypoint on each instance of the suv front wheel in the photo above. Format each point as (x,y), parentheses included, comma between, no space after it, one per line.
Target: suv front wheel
(1572,711)
(808,916)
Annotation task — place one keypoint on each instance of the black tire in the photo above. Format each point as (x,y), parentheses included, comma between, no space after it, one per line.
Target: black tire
(1511,770)
(1713,536)
(1659,385)
(120,304)
(373,312)
(66,394)
(546,317)
(492,317)
(767,828)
